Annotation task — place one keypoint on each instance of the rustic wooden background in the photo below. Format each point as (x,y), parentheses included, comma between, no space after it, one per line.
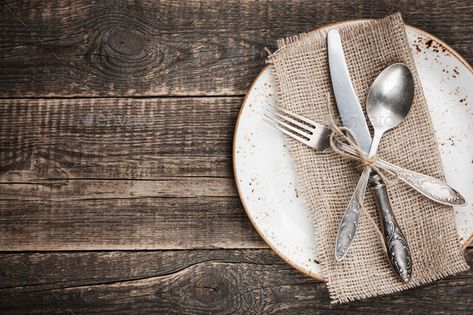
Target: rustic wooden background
(116,185)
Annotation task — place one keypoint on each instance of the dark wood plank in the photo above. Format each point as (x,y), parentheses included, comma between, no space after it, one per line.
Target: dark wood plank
(120,174)
(117,48)
(196,282)
(76,190)
(116,138)
(115,222)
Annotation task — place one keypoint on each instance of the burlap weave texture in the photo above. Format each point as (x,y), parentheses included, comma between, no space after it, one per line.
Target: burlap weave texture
(300,67)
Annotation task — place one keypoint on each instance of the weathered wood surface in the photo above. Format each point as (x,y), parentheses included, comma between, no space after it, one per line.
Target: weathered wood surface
(117,48)
(120,174)
(197,282)
(153,170)
(128,223)
(116,138)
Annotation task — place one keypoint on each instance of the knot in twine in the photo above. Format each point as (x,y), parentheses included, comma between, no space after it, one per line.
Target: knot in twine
(343,135)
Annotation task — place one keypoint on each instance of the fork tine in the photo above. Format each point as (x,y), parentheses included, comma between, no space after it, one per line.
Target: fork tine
(280,122)
(317,129)
(305,128)
(274,124)
(294,115)
(302,126)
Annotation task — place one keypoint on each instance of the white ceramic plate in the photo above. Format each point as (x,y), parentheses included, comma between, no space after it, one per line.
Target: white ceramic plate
(265,177)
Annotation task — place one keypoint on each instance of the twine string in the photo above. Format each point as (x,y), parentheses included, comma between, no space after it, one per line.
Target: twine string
(344,135)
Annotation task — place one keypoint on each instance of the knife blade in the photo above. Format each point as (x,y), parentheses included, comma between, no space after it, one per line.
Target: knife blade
(347,101)
(353,118)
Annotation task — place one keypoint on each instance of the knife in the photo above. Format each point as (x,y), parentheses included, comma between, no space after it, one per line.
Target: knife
(353,118)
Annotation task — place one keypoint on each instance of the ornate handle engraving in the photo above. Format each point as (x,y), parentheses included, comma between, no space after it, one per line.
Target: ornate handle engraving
(349,224)
(428,186)
(396,244)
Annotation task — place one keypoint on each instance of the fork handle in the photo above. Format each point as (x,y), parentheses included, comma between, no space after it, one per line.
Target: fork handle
(398,251)
(430,187)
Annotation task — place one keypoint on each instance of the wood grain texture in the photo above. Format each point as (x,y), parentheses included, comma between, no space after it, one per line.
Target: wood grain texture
(119,174)
(153,171)
(76,190)
(125,223)
(117,48)
(197,282)
(116,138)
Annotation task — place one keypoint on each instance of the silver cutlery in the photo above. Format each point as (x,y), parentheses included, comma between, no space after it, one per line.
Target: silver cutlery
(389,101)
(352,117)
(317,136)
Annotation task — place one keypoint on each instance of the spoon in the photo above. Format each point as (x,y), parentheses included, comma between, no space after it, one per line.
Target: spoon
(389,100)
(388,103)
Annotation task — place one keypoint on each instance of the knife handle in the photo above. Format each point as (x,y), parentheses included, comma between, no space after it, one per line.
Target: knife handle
(349,224)
(396,244)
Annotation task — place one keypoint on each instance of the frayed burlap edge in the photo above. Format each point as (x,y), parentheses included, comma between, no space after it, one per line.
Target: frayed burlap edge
(316,39)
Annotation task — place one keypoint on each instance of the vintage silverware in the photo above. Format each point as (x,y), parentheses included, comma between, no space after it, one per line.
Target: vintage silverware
(317,136)
(353,118)
(388,103)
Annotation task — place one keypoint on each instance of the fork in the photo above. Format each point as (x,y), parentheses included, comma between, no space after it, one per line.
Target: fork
(317,136)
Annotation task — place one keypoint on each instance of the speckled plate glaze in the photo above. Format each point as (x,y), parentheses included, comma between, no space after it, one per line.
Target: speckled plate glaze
(265,177)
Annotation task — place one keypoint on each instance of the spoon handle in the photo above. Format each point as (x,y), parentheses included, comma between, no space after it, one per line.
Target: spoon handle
(396,244)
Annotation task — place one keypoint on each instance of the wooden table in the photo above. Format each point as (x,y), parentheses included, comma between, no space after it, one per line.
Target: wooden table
(116,125)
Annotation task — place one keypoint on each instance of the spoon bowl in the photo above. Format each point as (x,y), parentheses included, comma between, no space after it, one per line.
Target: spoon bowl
(390,97)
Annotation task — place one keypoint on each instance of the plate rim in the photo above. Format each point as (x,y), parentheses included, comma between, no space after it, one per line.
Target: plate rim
(452,51)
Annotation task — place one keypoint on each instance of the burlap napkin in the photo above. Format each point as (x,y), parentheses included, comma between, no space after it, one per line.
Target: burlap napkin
(300,67)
